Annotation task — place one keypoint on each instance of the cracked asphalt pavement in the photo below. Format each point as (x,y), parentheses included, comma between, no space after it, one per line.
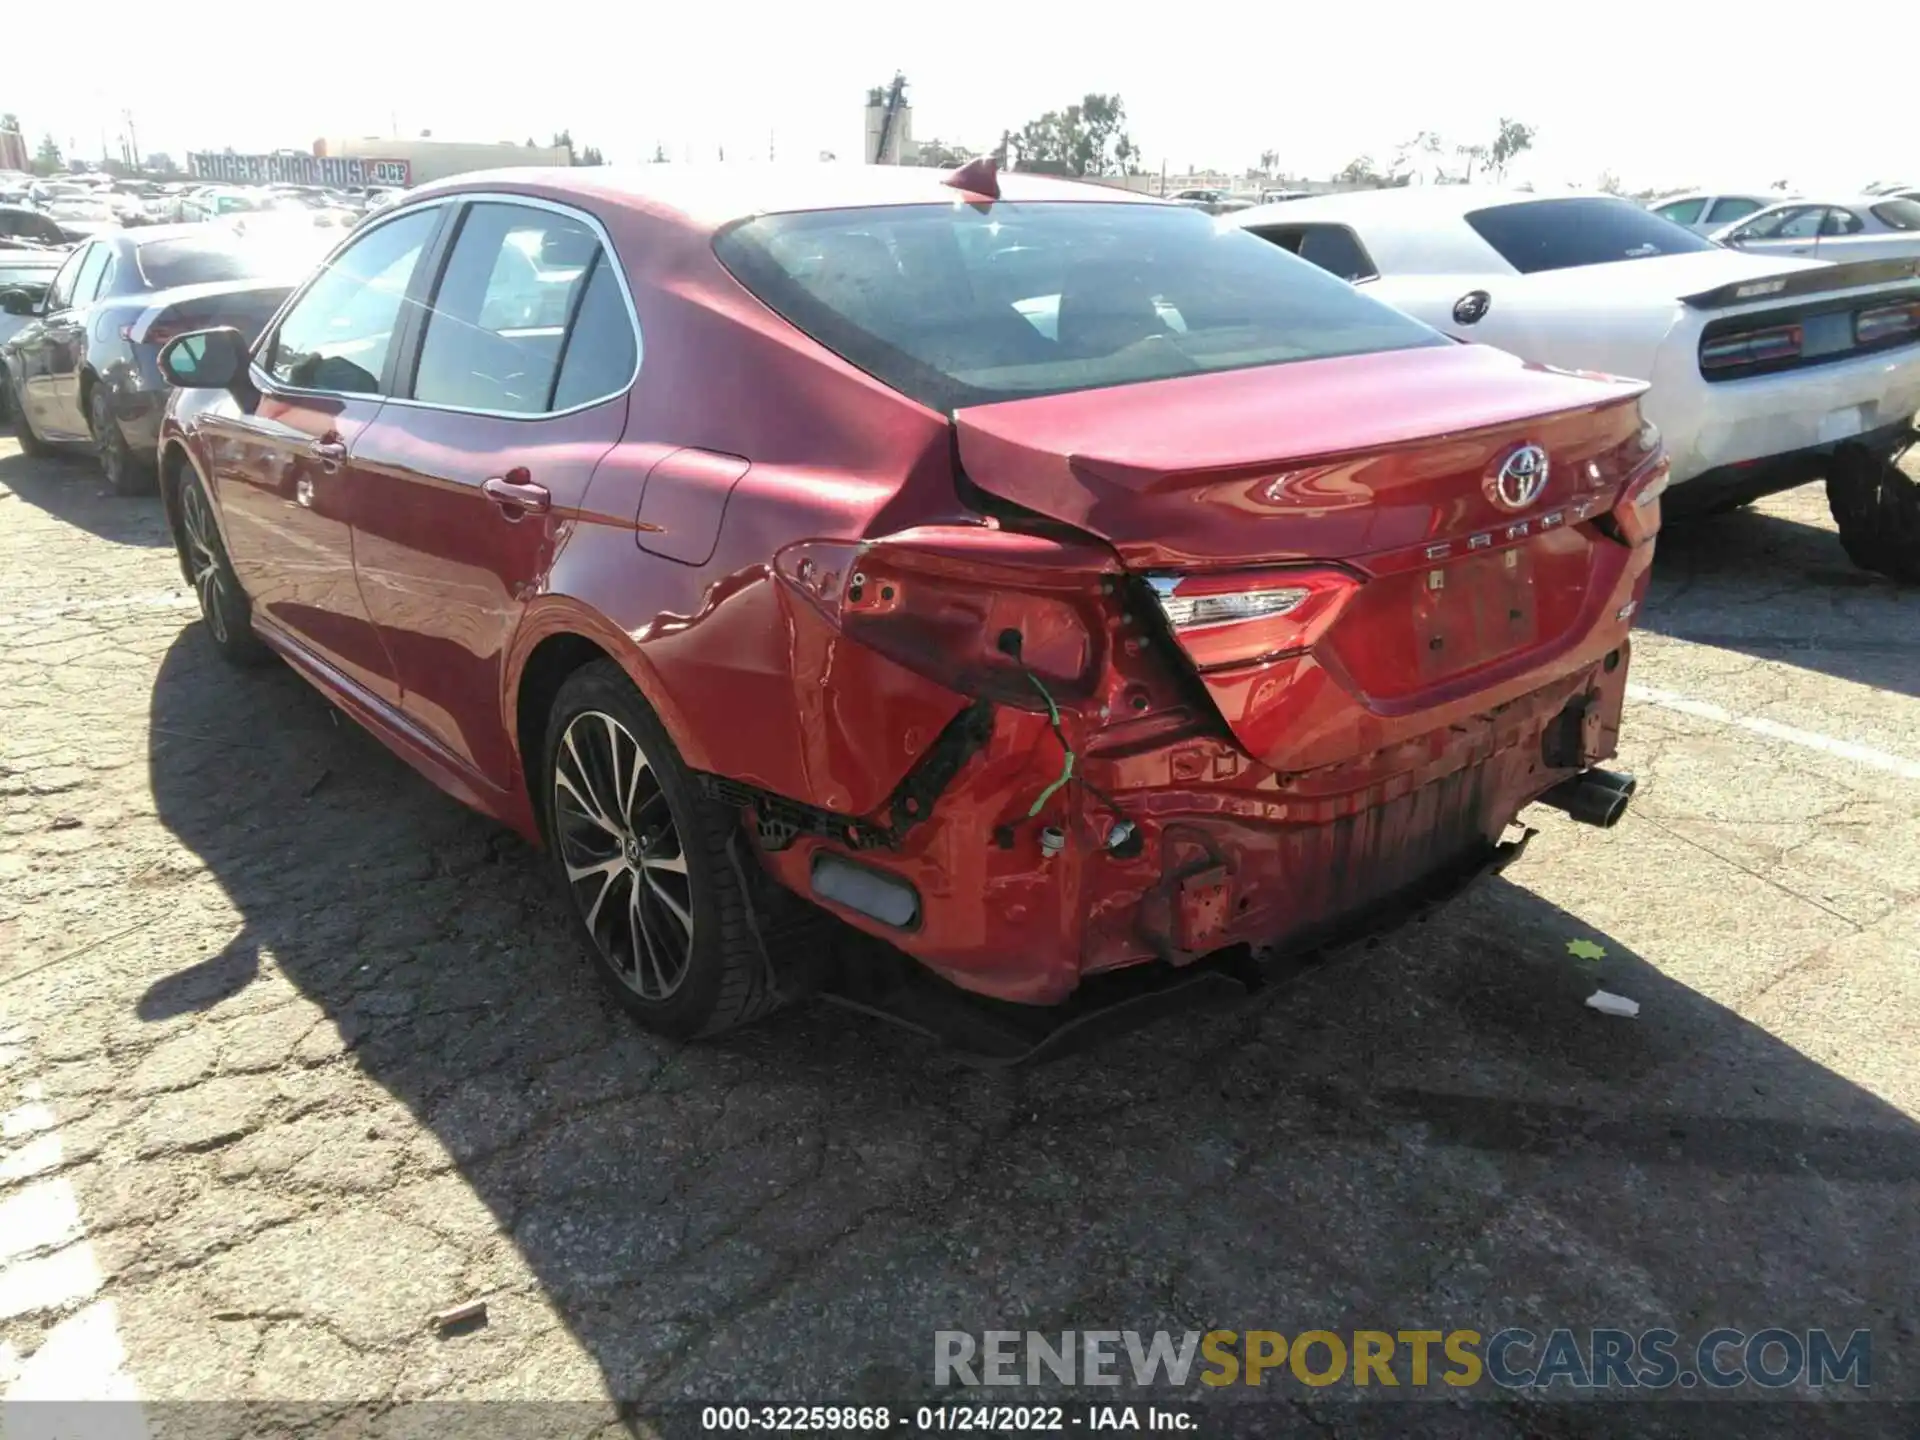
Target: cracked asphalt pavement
(296,1053)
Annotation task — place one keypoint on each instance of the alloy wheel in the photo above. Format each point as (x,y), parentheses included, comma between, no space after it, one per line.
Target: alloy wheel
(112,454)
(203,560)
(625,864)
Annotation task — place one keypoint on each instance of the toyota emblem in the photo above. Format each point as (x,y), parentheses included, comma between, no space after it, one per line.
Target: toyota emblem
(1520,478)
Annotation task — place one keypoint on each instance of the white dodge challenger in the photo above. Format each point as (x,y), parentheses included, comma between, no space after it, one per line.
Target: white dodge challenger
(1766,371)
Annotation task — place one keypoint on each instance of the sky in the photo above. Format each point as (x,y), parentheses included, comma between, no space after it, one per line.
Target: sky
(1661,95)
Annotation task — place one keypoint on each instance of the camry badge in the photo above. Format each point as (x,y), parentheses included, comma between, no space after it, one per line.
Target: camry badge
(1519,480)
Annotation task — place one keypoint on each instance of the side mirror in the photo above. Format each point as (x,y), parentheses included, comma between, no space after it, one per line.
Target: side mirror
(207,360)
(16,301)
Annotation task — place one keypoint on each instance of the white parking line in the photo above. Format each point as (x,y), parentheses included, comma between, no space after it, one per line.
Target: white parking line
(46,1265)
(1792,735)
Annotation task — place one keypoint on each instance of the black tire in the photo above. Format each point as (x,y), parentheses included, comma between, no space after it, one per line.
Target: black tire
(1877,509)
(23,431)
(126,472)
(203,560)
(623,839)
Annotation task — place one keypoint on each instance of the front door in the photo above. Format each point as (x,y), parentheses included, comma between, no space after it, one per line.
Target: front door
(518,390)
(49,352)
(287,474)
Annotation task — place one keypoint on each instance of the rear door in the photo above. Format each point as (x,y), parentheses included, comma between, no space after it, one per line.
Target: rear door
(285,470)
(517,381)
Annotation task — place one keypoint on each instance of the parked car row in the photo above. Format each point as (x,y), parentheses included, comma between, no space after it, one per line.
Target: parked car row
(1055,584)
(79,337)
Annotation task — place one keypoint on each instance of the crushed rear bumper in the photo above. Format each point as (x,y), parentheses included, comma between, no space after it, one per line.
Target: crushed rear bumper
(1225,851)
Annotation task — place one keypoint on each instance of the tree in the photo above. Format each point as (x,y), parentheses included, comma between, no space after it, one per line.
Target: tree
(943,156)
(1513,140)
(1411,157)
(659,153)
(1268,159)
(1085,139)
(1359,171)
(1473,155)
(589,155)
(1609,183)
(47,159)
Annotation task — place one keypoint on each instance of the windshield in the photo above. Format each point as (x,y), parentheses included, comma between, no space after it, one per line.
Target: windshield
(961,305)
(1580,230)
(196,259)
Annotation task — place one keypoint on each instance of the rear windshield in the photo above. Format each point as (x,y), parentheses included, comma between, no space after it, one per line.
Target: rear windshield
(955,305)
(1580,230)
(199,259)
(1898,214)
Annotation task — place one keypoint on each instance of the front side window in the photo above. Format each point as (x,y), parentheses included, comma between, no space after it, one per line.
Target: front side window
(495,332)
(1797,222)
(1563,234)
(60,293)
(338,334)
(954,306)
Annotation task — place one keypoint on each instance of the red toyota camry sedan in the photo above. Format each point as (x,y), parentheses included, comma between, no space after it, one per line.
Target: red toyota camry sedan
(1042,578)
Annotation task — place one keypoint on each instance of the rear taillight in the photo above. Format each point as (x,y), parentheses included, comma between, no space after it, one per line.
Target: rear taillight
(941,601)
(1635,517)
(1238,616)
(1886,322)
(1751,347)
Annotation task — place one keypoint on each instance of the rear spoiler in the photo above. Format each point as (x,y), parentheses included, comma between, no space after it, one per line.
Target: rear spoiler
(1815,280)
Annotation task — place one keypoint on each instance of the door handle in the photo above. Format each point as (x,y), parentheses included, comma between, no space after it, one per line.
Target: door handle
(516,498)
(329,453)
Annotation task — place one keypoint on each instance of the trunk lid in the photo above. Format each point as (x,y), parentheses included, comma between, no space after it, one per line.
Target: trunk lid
(1319,460)
(1380,468)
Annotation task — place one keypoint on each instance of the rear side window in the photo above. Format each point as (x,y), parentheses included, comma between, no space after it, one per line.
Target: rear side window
(1841,222)
(953,305)
(600,354)
(1898,214)
(1334,248)
(337,335)
(498,319)
(1684,212)
(1580,230)
(1726,211)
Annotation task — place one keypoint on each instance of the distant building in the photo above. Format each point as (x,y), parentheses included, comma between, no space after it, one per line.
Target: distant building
(13,150)
(900,147)
(436,159)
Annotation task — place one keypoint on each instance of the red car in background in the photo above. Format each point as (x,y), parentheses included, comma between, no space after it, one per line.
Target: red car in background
(1046,580)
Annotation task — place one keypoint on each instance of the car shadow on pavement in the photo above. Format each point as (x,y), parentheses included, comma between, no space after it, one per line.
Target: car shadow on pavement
(1724,580)
(70,487)
(1432,1132)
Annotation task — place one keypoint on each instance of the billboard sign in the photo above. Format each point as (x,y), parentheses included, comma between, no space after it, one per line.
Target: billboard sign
(293,168)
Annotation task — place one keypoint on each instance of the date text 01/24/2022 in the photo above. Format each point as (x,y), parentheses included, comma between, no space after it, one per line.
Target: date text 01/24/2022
(977,1419)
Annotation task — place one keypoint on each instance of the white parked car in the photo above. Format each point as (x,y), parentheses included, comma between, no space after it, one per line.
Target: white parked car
(1761,366)
(1867,227)
(1703,213)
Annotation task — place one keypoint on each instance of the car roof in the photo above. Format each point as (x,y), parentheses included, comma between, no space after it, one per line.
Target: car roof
(711,196)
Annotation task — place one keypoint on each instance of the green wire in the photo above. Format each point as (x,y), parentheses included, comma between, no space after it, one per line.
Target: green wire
(1053,718)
